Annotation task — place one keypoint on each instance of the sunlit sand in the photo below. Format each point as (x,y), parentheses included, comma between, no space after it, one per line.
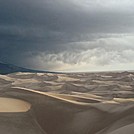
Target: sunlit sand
(13,105)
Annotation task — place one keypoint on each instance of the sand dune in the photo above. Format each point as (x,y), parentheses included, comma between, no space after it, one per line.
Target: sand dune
(92,103)
(63,115)
(128,129)
(83,115)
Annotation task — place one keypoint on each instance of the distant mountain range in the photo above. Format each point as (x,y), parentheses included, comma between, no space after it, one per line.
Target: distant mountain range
(9,68)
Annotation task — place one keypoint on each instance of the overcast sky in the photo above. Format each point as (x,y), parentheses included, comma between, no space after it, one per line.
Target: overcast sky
(68,35)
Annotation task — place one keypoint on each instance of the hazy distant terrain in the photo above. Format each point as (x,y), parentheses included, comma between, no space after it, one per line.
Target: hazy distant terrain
(73,103)
(6,68)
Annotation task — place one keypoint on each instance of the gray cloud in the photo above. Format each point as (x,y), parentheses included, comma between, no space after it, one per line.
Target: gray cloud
(52,34)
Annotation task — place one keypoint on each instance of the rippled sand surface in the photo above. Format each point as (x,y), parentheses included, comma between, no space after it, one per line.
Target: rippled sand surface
(74,103)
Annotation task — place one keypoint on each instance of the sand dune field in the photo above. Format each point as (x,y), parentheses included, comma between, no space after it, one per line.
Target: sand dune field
(74,103)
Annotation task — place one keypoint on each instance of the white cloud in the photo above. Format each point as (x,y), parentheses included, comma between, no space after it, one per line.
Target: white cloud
(116,54)
(111,4)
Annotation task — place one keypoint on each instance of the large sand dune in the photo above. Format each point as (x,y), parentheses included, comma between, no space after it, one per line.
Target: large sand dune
(26,109)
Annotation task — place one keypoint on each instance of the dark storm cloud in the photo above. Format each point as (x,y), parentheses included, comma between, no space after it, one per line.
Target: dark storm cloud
(49,28)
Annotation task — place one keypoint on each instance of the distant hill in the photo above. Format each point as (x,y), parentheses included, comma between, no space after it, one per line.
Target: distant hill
(9,68)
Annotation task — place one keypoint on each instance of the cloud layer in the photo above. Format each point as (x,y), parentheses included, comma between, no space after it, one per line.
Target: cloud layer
(68,35)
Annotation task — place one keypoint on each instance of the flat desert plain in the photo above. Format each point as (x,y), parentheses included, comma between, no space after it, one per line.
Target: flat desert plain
(71,103)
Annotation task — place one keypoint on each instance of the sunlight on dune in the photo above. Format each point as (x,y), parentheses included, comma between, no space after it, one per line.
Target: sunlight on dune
(13,105)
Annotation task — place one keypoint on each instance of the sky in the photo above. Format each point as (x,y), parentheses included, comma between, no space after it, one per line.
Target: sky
(68,35)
